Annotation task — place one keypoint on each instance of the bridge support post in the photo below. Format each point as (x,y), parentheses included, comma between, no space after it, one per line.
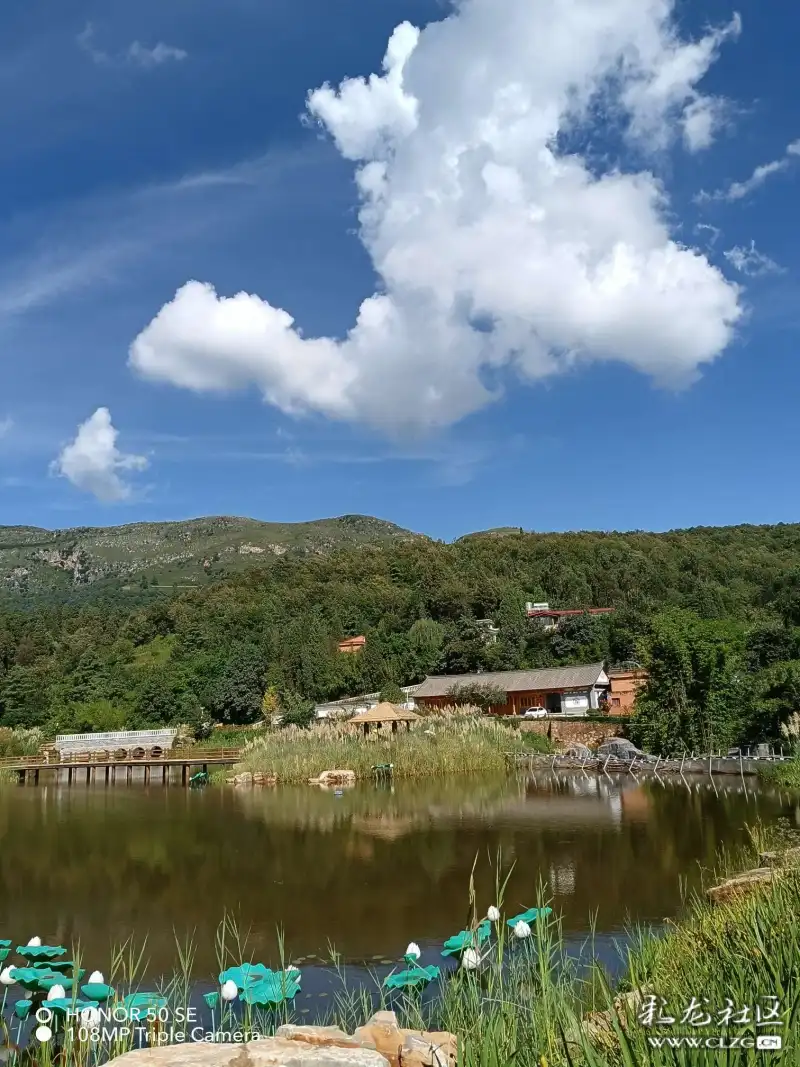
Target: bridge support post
(88,775)
(147,774)
(36,776)
(108,774)
(184,773)
(129,774)
(69,775)
(165,774)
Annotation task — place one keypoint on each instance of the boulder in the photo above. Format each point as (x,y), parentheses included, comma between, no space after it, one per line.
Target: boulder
(245,778)
(264,1052)
(407,1048)
(742,884)
(264,779)
(337,778)
(789,857)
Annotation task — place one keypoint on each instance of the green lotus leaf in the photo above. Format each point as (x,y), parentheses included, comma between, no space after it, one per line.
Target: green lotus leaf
(38,978)
(211,999)
(41,952)
(274,988)
(528,916)
(22,1007)
(5,942)
(456,944)
(142,1003)
(413,977)
(97,990)
(65,1005)
(4,952)
(245,974)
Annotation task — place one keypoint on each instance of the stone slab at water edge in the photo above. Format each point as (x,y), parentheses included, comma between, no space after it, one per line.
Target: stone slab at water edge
(381,1042)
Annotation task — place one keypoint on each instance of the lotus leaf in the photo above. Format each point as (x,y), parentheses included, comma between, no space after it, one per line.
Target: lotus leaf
(273,988)
(211,999)
(38,978)
(65,1005)
(413,977)
(41,952)
(528,916)
(22,1007)
(97,990)
(456,944)
(244,975)
(5,942)
(143,1003)
(4,954)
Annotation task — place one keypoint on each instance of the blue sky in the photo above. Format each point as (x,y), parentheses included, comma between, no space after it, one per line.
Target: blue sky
(588,321)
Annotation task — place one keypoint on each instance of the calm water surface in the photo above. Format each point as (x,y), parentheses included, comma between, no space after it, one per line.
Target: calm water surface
(366,871)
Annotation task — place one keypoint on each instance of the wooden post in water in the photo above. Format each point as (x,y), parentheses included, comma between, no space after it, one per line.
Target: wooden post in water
(165,775)
(129,774)
(147,774)
(683,758)
(88,774)
(184,773)
(69,775)
(108,773)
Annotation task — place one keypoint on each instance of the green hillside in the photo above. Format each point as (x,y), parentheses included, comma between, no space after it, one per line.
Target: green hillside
(168,554)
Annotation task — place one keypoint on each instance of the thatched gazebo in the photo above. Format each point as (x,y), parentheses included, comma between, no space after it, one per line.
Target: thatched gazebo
(382,714)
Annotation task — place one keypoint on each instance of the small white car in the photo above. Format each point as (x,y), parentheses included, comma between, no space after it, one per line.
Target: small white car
(533,713)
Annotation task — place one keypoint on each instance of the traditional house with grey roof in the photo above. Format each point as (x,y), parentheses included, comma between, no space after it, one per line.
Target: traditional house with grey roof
(560,690)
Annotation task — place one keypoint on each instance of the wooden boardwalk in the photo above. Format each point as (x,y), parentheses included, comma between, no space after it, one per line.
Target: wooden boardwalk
(89,768)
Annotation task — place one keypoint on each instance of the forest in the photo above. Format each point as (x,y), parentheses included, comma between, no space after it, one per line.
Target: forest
(714,613)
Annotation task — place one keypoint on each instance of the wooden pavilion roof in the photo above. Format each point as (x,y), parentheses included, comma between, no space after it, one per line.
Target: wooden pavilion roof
(384,712)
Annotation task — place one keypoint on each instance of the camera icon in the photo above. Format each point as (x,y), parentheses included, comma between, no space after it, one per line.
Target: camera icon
(768,1041)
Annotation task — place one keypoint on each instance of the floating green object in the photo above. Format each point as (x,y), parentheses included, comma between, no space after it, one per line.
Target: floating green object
(22,1007)
(140,1005)
(413,977)
(456,944)
(61,965)
(211,999)
(274,988)
(4,954)
(39,979)
(244,975)
(97,990)
(41,952)
(5,942)
(66,1005)
(198,779)
(528,916)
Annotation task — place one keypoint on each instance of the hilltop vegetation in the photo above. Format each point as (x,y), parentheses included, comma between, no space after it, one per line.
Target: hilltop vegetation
(715,614)
(134,558)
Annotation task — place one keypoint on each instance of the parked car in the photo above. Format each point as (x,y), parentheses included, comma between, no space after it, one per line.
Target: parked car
(533,713)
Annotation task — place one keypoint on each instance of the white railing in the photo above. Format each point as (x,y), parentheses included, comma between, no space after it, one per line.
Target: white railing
(115,739)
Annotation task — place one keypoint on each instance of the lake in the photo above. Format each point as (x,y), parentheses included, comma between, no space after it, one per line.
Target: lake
(366,871)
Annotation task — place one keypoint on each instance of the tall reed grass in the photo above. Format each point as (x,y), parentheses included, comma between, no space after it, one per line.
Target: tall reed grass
(446,744)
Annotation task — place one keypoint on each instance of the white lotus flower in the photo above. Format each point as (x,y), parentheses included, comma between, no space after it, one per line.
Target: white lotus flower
(7,976)
(471,959)
(291,969)
(229,990)
(414,950)
(522,930)
(43,1033)
(35,942)
(90,1017)
(96,978)
(493,914)
(56,992)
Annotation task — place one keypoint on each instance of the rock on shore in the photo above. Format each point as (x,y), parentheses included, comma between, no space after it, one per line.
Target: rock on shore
(379,1043)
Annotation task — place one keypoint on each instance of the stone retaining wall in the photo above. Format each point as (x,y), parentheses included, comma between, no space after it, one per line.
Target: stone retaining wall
(567,732)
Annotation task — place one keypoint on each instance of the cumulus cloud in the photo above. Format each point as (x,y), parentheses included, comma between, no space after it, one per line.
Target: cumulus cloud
(135,54)
(739,190)
(751,262)
(92,462)
(502,254)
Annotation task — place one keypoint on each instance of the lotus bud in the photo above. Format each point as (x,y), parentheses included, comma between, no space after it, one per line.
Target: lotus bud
(96,978)
(471,959)
(522,930)
(90,1017)
(35,942)
(43,1034)
(414,950)
(493,914)
(291,969)
(56,992)
(7,976)
(229,990)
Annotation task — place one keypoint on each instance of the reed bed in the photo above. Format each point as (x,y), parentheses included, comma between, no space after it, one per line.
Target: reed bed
(446,744)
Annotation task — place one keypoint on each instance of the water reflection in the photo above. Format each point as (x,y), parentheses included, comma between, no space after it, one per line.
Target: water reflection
(366,870)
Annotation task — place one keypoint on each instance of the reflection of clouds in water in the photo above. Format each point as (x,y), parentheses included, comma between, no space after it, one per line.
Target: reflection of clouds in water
(562,880)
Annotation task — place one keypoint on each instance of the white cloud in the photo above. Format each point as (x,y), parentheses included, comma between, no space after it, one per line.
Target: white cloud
(500,252)
(136,53)
(751,262)
(154,57)
(92,462)
(739,190)
(6,426)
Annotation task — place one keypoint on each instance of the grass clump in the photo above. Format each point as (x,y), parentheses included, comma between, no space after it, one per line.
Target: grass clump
(450,743)
(785,775)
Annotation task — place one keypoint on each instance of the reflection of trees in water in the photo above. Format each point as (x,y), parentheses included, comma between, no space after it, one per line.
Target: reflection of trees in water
(100,864)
